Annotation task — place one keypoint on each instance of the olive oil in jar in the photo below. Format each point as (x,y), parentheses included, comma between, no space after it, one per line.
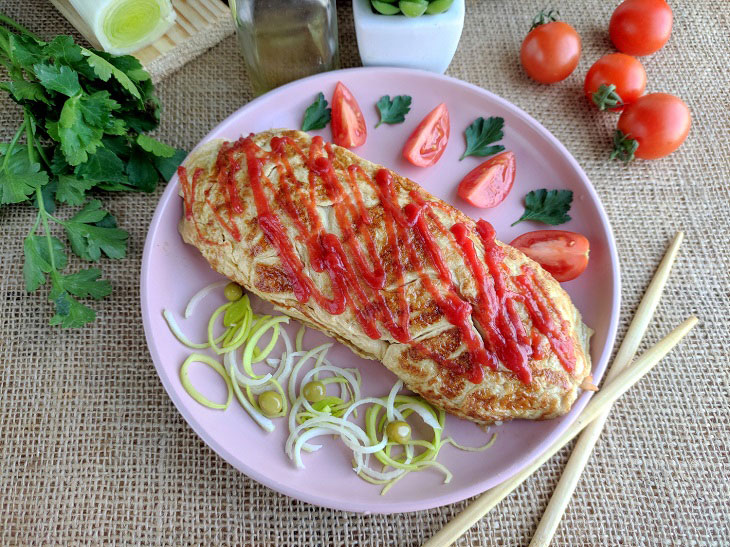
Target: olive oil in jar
(284,40)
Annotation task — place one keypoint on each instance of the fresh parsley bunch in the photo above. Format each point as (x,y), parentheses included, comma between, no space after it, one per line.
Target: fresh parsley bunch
(85,114)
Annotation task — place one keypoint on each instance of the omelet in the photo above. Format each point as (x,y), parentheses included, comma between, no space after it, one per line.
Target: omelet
(370,258)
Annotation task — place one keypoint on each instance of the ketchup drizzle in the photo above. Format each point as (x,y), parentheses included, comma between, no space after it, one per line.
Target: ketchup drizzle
(357,274)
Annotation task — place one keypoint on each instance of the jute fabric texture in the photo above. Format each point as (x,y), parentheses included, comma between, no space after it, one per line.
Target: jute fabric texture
(92,451)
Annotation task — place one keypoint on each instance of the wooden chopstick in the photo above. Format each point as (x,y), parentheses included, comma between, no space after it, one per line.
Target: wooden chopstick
(583,448)
(610,392)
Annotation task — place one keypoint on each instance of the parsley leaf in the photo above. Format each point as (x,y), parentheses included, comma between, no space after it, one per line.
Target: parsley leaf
(22,90)
(103,166)
(97,108)
(72,190)
(89,240)
(547,206)
(395,110)
(168,166)
(70,313)
(141,171)
(317,115)
(481,134)
(38,260)
(25,50)
(86,283)
(19,178)
(129,64)
(64,50)
(153,146)
(58,78)
(105,70)
(77,137)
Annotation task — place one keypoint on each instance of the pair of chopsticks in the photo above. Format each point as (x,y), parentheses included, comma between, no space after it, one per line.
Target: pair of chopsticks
(619,379)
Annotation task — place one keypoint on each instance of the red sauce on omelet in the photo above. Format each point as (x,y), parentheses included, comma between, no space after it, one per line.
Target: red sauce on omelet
(358,273)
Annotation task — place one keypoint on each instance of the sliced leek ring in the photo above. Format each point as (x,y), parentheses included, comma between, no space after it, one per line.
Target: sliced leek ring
(124,26)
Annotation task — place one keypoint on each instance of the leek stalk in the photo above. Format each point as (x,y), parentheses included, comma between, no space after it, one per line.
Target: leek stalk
(124,26)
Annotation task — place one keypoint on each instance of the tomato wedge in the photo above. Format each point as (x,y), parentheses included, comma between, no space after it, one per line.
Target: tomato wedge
(348,125)
(488,184)
(427,143)
(563,254)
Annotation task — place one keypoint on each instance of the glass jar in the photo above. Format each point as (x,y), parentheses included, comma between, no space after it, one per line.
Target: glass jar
(284,40)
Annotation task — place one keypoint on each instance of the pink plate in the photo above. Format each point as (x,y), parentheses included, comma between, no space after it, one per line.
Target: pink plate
(173,271)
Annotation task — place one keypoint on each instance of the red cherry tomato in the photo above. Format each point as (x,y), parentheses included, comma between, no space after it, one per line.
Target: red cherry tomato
(427,143)
(563,254)
(348,125)
(550,52)
(640,27)
(618,69)
(658,122)
(488,184)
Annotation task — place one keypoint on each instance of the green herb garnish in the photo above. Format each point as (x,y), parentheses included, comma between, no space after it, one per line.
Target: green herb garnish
(395,110)
(547,206)
(481,134)
(85,113)
(317,115)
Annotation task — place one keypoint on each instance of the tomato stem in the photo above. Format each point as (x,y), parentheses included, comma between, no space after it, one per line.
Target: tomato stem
(547,15)
(623,146)
(606,97)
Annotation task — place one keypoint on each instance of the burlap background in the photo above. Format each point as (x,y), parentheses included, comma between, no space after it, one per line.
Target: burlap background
(93,451)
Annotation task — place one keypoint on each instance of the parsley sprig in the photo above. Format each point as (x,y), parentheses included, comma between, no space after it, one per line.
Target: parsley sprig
(393,110)
(481,134)
(547,206)
(317,115)
(85,115)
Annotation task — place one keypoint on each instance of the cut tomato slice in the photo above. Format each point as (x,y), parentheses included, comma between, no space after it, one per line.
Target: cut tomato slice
(348,124)
(488,184)
(427,143)
(563,254)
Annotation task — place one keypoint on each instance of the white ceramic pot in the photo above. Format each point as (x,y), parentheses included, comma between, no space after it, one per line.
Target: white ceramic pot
(427,42)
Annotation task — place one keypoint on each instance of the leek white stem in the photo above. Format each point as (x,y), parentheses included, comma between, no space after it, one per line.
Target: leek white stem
(124,26)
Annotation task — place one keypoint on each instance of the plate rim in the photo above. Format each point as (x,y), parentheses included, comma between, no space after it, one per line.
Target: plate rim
(429,502)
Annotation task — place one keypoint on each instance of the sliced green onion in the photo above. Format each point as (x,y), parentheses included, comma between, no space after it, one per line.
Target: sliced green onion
(391,399)
(200,295)
(489,443)
(230,359)
(194,393)
(299,338)
(302,360)
(328,416)
(237,311)
(257,333)
(211,324)
(259,418)
(178,333)
(274,338)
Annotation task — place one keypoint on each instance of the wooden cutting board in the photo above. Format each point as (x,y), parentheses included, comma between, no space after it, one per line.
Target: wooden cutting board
(199,25)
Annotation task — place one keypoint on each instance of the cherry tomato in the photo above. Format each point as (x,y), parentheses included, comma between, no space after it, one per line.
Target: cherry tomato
(624,72)
(550,52)
(348,125)
(563,254)
(427,143)
(488,184)
(640,27)
(658,123)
